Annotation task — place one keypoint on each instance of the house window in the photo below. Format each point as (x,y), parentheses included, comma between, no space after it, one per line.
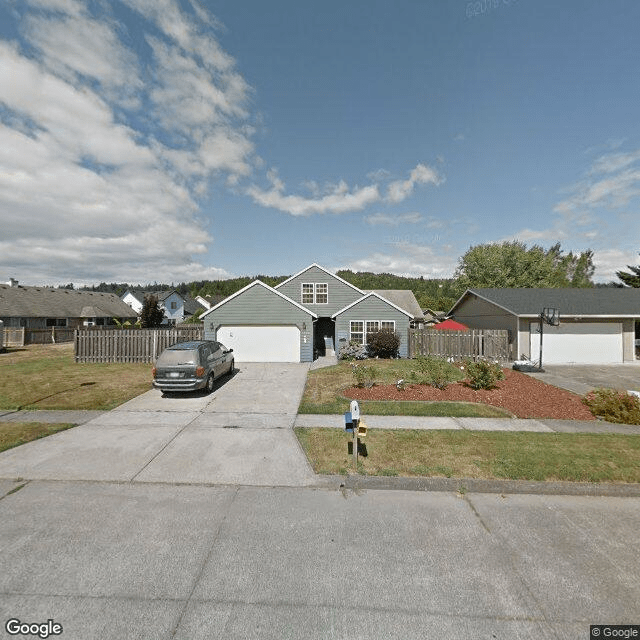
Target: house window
(56,322)
(322,293)
(360,330)
(372,327)
(174,305)
(317,293)
(307,294)
(356,331)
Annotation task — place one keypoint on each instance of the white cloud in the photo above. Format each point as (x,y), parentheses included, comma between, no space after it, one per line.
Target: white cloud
(411,260)
(608,261)
(393,220)
(92,187)
(340,198)
(400,190)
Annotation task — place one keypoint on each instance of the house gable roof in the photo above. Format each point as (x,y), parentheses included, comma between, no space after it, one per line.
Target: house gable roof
(45,302)
(592,302)
(403,298)
(369,295)
(317,266)
(256,283)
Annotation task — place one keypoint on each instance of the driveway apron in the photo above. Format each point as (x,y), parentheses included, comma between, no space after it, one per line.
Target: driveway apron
(239,434)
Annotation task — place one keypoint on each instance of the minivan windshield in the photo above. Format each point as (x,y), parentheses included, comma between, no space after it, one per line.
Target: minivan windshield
(178,357)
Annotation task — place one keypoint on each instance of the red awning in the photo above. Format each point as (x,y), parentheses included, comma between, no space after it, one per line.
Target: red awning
(450,325)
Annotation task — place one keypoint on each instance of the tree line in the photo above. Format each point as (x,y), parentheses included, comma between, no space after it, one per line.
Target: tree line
(500,264)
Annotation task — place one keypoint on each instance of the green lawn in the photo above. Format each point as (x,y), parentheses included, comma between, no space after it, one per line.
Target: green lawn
(577,457)
(324,394)
(47,377)
(13,434)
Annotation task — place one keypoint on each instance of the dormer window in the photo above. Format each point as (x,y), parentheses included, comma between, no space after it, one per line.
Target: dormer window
(315,293)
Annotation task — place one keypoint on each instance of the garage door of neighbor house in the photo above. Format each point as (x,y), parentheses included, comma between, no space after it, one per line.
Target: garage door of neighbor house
(589,343)
(262,344)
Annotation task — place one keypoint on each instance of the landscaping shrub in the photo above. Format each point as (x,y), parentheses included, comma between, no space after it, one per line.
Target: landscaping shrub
(436,372)
(483,374)
(614,406)
(383,344)
(353,351)
(364,375)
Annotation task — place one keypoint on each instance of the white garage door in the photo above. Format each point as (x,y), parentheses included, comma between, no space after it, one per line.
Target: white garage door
(262,344)
(590,343)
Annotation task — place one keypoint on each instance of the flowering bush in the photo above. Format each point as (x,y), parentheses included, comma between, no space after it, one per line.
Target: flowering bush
(483,374)
(353,351)
(614,406)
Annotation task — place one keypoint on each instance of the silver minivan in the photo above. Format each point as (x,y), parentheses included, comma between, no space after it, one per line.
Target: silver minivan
(188,366)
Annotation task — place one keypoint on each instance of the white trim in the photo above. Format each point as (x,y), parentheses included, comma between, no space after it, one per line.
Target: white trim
(359,300)
(266,286)
(333,275)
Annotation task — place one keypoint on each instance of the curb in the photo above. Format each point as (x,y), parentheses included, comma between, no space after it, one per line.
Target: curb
(474,485)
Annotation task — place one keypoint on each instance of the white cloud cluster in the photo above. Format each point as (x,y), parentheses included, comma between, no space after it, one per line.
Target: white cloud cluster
(104,149)
(411,260)
(340,198)
(391,220)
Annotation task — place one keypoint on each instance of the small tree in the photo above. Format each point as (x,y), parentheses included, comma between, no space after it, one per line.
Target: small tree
(151,315)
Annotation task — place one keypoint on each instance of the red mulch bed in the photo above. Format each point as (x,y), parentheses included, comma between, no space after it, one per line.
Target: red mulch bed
(518,393)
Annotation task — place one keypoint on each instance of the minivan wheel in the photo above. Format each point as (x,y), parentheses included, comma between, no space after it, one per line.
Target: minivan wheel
(209,387)
(232,368)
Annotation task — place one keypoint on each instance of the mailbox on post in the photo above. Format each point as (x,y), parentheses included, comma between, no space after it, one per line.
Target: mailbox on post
(354,425)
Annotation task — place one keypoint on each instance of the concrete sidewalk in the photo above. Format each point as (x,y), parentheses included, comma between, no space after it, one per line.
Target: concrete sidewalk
(542,425)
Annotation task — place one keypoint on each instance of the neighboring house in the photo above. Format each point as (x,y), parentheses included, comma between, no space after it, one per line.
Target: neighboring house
(176,308)
(597,325)
(432,317)
(44,307)
(311,312)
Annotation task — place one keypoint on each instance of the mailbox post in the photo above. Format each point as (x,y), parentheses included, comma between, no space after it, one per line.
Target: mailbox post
(354,425)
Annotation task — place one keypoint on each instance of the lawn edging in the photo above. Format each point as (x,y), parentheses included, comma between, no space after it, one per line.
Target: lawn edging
(463,486)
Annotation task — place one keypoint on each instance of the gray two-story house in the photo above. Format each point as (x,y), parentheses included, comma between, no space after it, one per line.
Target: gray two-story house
(309,312)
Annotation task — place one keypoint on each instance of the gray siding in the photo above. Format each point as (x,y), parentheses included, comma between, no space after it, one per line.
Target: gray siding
(479,314)
(340,294)
(373,309)
(259,306)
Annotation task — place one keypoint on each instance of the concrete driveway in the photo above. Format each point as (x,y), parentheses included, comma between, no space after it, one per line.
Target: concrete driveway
(582,378)
(239,434)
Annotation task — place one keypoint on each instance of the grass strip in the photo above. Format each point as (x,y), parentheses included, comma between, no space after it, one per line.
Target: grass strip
(13,434)
(575,457)
(408,408)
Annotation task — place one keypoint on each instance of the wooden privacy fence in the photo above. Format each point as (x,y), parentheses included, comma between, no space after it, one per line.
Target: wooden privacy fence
(129,345)
(20,336)
(476,344)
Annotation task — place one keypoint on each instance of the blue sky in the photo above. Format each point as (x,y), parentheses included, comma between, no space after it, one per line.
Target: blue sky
(177,140)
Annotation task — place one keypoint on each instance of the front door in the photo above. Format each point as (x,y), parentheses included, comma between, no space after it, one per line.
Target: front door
(323,328)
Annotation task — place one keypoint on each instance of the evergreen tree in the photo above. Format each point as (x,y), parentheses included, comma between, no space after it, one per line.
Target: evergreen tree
(630,279)
(151,315)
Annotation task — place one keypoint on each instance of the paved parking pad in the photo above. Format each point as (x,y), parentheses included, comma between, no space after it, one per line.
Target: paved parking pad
(144,561)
